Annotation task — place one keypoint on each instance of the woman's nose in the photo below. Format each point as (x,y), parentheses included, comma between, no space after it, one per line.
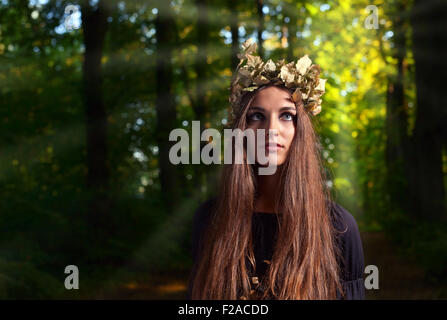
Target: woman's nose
(273,126)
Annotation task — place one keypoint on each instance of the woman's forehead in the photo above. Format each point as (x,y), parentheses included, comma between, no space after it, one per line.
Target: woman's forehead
(272,97)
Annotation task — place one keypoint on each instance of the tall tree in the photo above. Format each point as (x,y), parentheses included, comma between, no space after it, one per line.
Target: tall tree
(292,28)
(94,22)
(201,59)
(234,27)
(295,11)
(260,5)
(398,156)
(165,102)
(429,24)
(201,108)
(292,11)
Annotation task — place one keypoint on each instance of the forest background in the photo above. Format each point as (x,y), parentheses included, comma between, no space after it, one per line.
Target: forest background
(89,91)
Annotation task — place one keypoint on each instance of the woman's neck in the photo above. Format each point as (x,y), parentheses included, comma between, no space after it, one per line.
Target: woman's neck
(267,192)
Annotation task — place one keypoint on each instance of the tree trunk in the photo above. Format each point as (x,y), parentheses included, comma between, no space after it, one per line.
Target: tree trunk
(397,153)
(292,28)
(94,22)
(165,103)
(201,60)
(201,108)
(234,27)
(260,4)
(429,46)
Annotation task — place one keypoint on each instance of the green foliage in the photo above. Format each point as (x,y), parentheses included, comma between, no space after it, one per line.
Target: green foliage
(21,280)
(424,242)
(44,219)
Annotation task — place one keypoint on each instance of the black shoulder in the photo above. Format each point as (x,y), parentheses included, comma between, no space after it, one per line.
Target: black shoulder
(350,243)
(344,221)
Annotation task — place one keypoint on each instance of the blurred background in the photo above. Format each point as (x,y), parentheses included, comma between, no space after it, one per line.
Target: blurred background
(89,91)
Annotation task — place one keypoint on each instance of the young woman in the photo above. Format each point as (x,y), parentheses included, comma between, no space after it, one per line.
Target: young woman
(276,236)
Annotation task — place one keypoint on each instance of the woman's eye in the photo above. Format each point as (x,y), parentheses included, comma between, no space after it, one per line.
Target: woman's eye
(287,116)
(255,116)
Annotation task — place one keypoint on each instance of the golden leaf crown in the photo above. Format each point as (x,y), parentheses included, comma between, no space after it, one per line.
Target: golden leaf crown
(301,77)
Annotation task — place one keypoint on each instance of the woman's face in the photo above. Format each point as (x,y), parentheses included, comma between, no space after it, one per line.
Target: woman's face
(272,108)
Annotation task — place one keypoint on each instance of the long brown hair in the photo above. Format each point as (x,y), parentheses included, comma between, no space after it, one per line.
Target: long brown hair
(304,262)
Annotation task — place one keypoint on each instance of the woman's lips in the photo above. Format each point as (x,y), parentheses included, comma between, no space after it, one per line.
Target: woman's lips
(273,146)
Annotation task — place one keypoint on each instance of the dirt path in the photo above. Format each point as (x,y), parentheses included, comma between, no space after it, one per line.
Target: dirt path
(161,286)
(398,278)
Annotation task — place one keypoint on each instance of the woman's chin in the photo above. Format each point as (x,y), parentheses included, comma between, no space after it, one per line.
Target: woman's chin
(271,162)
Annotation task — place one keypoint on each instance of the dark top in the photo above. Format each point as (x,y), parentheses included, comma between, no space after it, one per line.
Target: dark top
(265,227)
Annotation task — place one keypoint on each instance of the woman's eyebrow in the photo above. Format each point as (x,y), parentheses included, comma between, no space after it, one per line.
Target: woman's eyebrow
(281,109)
(256,108)
(287,108)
